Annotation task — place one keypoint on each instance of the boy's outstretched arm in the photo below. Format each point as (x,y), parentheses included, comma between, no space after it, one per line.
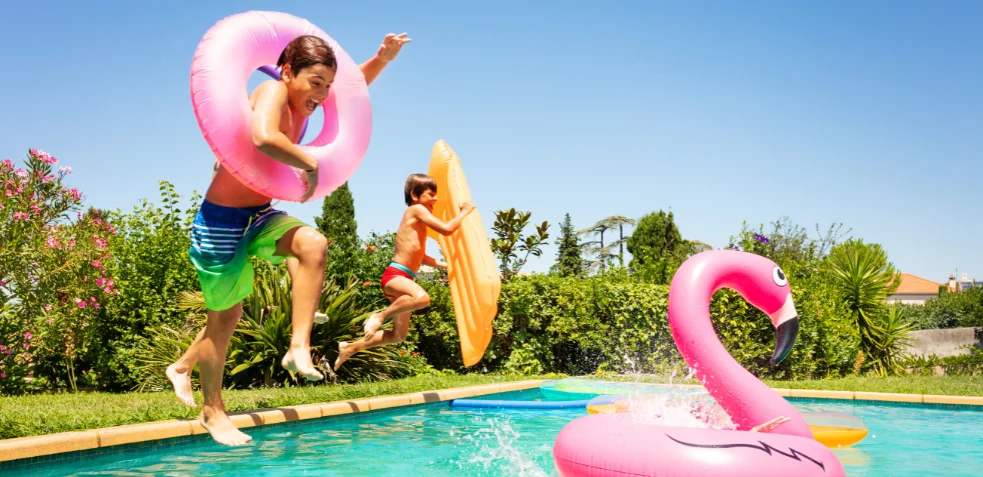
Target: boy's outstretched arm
(433,262)
(388,50)
(439,226)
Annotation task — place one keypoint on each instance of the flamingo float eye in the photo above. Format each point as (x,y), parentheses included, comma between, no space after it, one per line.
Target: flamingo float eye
(779,276)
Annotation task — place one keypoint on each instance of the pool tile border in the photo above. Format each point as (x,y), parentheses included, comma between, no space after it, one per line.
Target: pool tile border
(34,449)
(30,449)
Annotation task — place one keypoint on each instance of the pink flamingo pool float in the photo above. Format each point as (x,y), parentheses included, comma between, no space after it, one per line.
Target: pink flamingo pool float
(616,445)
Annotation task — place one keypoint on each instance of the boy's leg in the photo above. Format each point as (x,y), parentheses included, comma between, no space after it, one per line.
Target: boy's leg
(211,361)
(401,326)
(410,297)
(309,247)
(292,264)
(180,372)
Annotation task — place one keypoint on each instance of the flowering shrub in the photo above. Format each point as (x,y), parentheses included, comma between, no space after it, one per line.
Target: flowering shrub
(52,279)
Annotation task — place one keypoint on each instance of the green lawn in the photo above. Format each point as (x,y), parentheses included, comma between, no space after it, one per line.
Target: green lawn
(50,413)
(941,385)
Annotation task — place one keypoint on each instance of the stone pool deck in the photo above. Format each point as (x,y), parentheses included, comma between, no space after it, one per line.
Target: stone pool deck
(51,444)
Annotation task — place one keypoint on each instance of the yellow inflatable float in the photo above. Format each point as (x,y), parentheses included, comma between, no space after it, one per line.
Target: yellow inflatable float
(829,428)
(472,273)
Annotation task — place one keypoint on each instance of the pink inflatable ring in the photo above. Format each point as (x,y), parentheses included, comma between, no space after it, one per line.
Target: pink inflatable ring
(232,50)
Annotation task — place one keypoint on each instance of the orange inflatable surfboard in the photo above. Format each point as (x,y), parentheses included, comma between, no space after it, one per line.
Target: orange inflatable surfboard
(472,274)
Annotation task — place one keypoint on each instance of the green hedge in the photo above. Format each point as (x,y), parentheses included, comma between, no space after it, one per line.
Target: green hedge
(949,310)
(613,322)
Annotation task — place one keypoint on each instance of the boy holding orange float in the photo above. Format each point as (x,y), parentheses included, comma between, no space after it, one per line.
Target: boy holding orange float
(398,280)
(235,223)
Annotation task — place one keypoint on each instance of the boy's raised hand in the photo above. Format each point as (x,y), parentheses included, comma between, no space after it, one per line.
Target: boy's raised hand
(467,207)
(391,45)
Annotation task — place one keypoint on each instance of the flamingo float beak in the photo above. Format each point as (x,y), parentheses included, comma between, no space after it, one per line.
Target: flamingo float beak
(786,321)
(785,336)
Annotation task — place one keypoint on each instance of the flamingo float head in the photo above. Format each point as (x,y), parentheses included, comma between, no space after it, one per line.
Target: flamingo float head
(766,287)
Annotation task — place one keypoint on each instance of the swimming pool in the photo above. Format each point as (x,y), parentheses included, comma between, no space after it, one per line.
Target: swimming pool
(437,440)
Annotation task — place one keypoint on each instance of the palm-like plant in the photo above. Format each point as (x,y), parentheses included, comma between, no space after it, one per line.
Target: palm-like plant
(891,339)
(864,279)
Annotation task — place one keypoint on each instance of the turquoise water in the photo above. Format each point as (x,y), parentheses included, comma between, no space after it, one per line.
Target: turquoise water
(437,440)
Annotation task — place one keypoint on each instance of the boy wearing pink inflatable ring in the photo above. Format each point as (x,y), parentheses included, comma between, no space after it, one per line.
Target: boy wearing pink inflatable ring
(236,223)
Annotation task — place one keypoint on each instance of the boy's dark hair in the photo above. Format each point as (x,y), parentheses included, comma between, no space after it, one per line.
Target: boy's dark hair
(305,51)
(417,184)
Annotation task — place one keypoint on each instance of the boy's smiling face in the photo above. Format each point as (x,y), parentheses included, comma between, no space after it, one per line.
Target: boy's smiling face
(308,88)
(428,199)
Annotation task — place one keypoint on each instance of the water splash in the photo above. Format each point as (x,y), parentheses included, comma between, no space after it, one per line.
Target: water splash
(496,451)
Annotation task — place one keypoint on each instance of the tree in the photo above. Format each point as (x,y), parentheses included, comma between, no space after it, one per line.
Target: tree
(337,223)
(657,247)
(569,263)
(509,241)
(605,252)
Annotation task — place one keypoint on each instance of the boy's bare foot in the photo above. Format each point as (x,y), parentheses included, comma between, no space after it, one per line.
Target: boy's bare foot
(182,385)
(372,325)
(223,430)
(320,318)
(300,362)
(345,351)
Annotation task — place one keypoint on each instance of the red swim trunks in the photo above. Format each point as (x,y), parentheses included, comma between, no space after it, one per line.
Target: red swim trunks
(392,271)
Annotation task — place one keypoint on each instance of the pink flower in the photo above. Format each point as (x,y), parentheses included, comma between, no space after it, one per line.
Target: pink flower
(51,320)
(75,193)
(79,215)
(96,264)
(102,243)
(3,283)
(71,244)
(9,192)
(65,171)
(110,282)
(48,307)
(20,172)
(3,348)
(20,216)
(97,221)
(92,299)
(52,243)
(3,375)
(47,179)
(96,306)
(27,346)
(100,282)
(80,302)
(9,351)
(28,336)
(7,163)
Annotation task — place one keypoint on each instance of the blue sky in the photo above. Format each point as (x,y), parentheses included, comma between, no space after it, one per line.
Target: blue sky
(866,113)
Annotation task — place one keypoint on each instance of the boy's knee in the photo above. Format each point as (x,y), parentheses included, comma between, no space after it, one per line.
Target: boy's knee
(423,300)
(399,336)
(312,246)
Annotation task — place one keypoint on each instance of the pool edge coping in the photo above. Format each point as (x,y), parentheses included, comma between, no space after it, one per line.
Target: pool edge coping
(20,448)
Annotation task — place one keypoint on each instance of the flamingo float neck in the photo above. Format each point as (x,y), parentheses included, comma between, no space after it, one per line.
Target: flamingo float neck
(747,400)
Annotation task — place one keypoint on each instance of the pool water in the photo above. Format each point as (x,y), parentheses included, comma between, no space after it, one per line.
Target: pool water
(437,440)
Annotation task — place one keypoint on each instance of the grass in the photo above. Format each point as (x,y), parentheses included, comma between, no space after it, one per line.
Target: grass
(51,413)
(32,415)
(938,385)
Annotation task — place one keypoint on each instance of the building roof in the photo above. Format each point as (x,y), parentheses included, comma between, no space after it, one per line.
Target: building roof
(911,284)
